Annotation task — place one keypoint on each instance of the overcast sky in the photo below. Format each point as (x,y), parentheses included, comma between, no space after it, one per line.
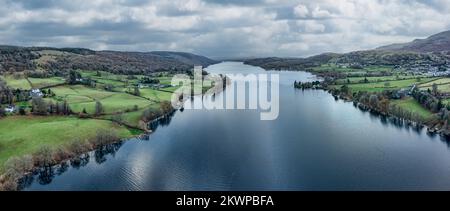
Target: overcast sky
(216,28)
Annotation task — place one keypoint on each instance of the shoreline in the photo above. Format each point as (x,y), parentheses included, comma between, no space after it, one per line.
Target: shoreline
(91,147)
(430,127)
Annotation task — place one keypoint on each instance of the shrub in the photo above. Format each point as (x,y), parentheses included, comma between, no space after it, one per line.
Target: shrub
(104,137)
(8,185)
(78,147)
(22,111)
(43,157)
(117,118)
(83,115)
(166,106)
(39,106)
(2,111)
(149,115)
(17,166)
(98,108)
(61,154)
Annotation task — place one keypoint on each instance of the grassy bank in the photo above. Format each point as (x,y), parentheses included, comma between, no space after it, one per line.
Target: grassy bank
(26,135)
(101,109)
(410,104)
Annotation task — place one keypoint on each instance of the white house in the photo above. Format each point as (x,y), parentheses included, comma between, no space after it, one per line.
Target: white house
(10,109)
(36,93)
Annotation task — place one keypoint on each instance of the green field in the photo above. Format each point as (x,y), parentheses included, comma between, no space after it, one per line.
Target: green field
(111,82)
(377,79)
(410,104)
(45,82)
(155,95)
(170,89)
(343,69)
(23,83)
(380,86)
(80,90)
(21,135)
(16,83)
(25,135)
(132,118)
(443,85)
(118,102)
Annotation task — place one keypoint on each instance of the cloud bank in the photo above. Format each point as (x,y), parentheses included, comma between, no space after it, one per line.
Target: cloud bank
(221,28)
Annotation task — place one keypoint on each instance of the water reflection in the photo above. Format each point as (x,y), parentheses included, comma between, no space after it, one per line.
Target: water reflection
(316,144)
(45,175)
(162,121)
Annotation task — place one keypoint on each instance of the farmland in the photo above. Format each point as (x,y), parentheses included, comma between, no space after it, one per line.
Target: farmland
(387,85)
(27,133)
(21,135)
(404,94)
(412,105)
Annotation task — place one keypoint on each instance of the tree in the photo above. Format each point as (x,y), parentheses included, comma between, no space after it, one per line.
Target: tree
(166,106)
(118,118)
(104,136)
(39,106)
(373,101)
(64,108)
(2,111)
(109,87)
(16,166)
(383,105)
(43,157)
(98,108)
(73,77)
(22,111)
(434,89)
(345,90)
(51,108)
(50,93)
(136,91)
(149,115)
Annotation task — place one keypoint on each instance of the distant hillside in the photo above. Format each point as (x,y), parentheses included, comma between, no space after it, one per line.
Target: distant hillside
(435,43)
(187,58)
(16,59)
(433,51)
(277,63)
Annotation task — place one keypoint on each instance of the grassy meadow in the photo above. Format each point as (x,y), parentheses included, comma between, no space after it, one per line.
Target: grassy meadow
(21,135)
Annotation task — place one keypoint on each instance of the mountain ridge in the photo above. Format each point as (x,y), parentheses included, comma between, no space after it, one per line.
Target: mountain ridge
(50,59)
(432,51)
(435,43)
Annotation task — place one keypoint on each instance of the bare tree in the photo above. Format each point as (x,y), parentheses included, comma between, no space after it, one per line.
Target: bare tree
(39,106)
(98,108)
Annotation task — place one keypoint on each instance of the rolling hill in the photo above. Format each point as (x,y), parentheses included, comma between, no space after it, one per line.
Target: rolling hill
(17,59)
(435,43)
(432,51)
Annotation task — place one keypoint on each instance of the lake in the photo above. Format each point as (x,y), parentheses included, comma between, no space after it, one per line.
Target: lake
(316,143)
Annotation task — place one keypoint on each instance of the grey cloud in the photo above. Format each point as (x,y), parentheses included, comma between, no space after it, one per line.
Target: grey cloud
(227,28)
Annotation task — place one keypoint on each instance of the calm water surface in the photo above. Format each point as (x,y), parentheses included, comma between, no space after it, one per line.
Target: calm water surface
(316,143)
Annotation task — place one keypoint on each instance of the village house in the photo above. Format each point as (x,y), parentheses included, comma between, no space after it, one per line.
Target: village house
(10,109)
(36,93)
